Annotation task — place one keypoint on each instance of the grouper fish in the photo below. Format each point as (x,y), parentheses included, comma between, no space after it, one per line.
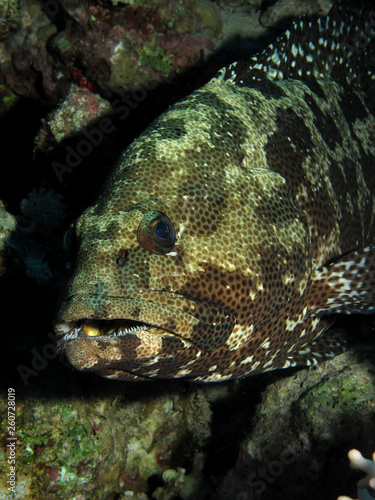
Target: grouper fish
(240,223)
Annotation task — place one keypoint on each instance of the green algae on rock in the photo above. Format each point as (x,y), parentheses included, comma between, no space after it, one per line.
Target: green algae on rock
(9,17)
(302,431)
(78,111)
(8,225)
(95,446)
(8,99)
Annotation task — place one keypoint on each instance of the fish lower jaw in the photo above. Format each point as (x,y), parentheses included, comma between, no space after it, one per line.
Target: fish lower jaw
(100,329)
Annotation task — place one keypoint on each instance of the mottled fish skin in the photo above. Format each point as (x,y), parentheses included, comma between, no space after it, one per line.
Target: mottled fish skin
(267,176)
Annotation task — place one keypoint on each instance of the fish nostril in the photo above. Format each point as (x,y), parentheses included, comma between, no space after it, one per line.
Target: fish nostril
(122,256)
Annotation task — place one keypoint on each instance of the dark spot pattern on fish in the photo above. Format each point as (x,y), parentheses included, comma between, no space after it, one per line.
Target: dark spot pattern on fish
(240,222)
(351,105)
(324,123)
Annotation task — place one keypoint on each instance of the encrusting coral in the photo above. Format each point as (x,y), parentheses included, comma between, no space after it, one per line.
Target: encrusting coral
(357,461)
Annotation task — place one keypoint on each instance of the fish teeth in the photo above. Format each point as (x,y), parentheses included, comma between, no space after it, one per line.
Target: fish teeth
(71,335)
(91,330)
(132,329)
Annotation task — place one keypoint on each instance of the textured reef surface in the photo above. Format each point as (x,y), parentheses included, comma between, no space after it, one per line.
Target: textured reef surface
(66,69)
(268,437)
(113,47)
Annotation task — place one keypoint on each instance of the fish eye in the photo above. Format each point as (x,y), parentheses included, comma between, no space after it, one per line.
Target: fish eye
(69,239)
(156,232)
(70,245)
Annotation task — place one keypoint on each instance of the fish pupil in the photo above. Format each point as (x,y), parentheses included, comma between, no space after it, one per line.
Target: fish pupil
(162,230)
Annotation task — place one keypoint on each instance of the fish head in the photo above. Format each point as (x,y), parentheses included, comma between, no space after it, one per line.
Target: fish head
(186,254)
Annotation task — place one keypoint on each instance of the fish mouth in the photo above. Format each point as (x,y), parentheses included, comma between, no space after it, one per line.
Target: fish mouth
(199,323)
(159,333)
(99,329)
(117,349)
(122,349)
